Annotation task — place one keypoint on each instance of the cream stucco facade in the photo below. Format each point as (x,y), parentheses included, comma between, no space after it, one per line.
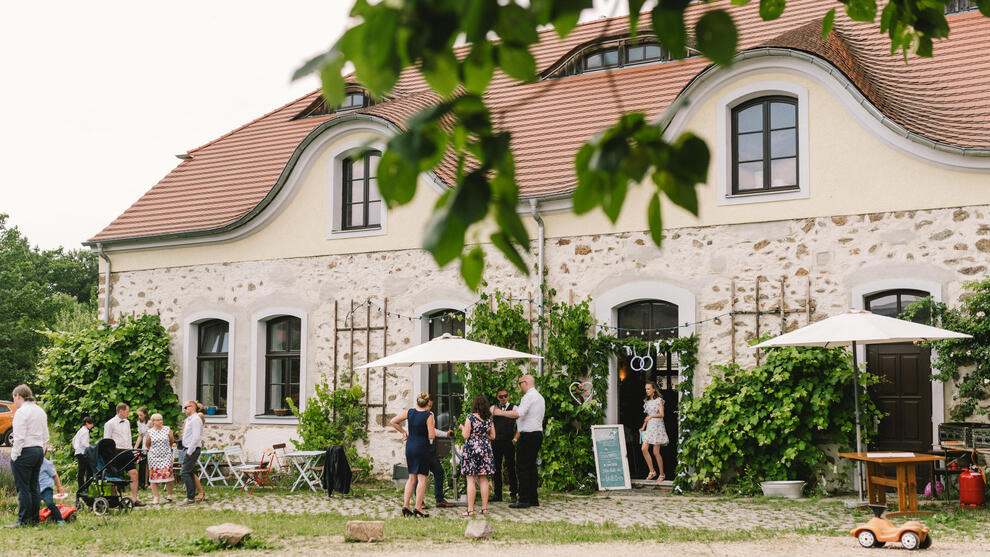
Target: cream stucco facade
(877,210)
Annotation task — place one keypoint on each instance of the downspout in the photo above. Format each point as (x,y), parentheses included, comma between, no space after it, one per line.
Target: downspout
(106,299)
(534,206)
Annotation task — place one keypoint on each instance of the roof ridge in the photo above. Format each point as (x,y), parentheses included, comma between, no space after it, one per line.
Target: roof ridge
(256,120)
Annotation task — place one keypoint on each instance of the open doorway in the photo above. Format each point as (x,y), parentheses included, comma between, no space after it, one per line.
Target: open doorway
(649,320)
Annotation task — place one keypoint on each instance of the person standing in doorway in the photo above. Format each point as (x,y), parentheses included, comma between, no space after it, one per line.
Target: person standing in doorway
(26,454)
(654,431)
(79,445)
(504,448)
(192,440)
(529,415)
(118,428)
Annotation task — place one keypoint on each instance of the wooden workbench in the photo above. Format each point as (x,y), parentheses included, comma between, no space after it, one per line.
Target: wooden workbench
(905,481)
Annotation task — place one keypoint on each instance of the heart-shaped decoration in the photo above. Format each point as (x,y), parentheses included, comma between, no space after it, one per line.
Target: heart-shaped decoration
(582,392)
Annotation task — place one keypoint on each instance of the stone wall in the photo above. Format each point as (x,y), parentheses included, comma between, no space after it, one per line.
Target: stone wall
(819,261)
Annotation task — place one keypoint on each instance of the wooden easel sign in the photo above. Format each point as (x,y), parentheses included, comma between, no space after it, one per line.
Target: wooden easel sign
(611,467)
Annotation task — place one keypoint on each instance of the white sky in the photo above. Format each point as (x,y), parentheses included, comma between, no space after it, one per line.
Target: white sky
(98,97)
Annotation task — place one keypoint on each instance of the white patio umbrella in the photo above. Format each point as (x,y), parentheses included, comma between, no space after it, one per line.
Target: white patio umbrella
(863,327)
(450,349)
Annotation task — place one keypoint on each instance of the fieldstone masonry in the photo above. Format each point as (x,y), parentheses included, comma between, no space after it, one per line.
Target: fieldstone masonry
(821,259)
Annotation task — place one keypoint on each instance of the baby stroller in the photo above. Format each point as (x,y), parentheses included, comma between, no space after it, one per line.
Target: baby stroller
(102,491)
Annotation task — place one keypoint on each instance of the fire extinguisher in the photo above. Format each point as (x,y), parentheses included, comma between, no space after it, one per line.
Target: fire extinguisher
(972,488)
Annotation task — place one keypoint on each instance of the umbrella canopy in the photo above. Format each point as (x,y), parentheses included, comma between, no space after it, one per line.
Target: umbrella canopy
(860,326)
(449,349)
(863,327)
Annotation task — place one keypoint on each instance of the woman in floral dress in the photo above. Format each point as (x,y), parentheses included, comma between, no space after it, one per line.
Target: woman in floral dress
(479,461)
(158,441)
(654,431)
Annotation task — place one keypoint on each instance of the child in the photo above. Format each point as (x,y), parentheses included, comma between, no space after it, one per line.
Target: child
(48,479)
(79,443)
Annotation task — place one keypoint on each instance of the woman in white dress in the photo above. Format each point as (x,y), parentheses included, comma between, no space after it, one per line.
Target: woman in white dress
(158,441)
(654,431)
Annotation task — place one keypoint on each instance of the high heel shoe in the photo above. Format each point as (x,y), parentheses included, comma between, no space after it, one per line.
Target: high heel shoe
(420,514)
(406,512)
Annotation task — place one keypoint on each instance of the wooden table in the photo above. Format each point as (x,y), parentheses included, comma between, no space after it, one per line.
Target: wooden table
(906,480)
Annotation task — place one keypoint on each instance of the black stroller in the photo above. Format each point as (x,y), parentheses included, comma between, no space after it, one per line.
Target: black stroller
(108,481)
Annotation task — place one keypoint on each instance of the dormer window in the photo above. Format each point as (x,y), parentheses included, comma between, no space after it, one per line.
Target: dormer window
(614,54)
(352,101)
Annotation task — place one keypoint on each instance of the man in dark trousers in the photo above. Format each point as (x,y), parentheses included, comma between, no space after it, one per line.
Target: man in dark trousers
(504,447)
(437,468)
(529,414)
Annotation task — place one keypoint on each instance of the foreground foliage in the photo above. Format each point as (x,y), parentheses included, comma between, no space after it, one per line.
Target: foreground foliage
(769,422)
(394,35)
(333,417)
(89,372)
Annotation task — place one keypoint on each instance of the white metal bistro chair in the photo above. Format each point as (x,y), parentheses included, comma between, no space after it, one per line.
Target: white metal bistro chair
(237,463)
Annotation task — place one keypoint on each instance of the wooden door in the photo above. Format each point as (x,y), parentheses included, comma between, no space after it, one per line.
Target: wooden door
(904,395)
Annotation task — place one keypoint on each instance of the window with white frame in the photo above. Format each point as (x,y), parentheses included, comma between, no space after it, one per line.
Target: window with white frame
(361,204)
(283,339)
(211,364)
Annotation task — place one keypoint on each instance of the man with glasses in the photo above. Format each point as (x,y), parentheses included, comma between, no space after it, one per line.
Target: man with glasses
(529,414)
(504,447)
(192,439)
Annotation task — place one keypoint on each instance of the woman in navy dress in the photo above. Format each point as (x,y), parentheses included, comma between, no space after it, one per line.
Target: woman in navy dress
(479,461)
(419,453)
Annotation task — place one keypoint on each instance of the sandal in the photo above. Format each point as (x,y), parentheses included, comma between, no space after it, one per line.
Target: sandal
(467,514)
(652,476)
(484,510)
(660,478)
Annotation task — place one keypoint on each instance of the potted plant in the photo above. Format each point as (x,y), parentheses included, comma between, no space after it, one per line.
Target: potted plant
(281,411)
(790,489)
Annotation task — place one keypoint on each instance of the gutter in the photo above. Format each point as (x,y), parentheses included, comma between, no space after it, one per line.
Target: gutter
(535,208)
(107,290)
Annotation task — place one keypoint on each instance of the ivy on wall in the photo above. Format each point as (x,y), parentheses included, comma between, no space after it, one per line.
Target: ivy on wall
(967,361)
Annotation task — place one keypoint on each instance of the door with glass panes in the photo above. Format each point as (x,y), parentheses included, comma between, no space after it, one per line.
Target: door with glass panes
(446,386)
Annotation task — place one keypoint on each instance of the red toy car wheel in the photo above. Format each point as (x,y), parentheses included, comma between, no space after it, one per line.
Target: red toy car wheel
(71,518)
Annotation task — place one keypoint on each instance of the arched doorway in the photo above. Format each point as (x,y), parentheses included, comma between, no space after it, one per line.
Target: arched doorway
(904,393)
(649,320)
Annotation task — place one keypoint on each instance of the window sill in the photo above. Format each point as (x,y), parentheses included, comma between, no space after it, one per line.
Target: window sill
(357,232)
(764,196)
(274,420)
(219,419)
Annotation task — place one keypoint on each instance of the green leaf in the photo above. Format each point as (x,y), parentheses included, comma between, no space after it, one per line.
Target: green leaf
(634,7)
(717,37)
(396,179)
(333,83)
(444,236)
(500,241)
(478,67)
(511,225)
(472,266)
(440,71)
(771,9)
(476,19)
(691,157)
(515,25)
(471,198)
(668,24)
(517,62)
(861,10)
(828,22)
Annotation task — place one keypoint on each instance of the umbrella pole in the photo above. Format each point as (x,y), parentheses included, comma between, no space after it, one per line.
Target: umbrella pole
(859,438)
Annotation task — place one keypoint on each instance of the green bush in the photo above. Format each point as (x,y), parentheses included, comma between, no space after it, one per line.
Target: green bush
(766,423)
(333,417)
(89,372)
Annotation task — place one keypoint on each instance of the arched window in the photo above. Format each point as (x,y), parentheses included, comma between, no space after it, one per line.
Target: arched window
(211,364)
(446,386)
(891,303)
(765,145)
(283,338)
(361,204)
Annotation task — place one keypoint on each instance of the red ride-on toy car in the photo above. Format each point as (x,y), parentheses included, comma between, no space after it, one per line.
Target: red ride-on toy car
(68,513)
(878,531)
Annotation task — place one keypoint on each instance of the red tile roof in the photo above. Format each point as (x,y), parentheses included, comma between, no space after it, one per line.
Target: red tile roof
(943,99)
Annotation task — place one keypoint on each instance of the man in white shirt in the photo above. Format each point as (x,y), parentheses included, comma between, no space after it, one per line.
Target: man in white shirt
(79,445)
(192,440)
(27,453)
(118,428)
(529,424)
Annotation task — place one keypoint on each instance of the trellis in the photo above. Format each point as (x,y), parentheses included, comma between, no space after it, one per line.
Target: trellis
(349,329)
(780,311)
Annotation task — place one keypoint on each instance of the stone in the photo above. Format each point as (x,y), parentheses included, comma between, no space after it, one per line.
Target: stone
(983,245)
(941,235)
(228,533)
(365,531)
(479,530)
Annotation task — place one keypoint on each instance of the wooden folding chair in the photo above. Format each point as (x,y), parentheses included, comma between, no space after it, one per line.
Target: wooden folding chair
(258,477)
(283,468)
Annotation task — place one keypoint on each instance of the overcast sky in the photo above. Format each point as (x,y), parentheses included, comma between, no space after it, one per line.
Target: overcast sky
(98,97)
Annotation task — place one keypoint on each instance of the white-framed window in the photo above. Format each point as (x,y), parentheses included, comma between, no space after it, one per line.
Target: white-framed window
(208,364)
(762,152)
(278,365)
(356,206)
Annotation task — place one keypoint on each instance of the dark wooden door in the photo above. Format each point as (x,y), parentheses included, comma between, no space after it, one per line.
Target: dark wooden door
(904,395)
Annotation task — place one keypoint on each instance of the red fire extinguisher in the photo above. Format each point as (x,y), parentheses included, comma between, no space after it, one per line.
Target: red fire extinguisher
(972,489)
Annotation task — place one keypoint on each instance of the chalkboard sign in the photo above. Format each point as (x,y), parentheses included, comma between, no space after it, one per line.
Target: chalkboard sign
(609,444)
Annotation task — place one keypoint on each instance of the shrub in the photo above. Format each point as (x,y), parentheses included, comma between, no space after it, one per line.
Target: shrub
(333,417)
(766,423)
(90,371)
